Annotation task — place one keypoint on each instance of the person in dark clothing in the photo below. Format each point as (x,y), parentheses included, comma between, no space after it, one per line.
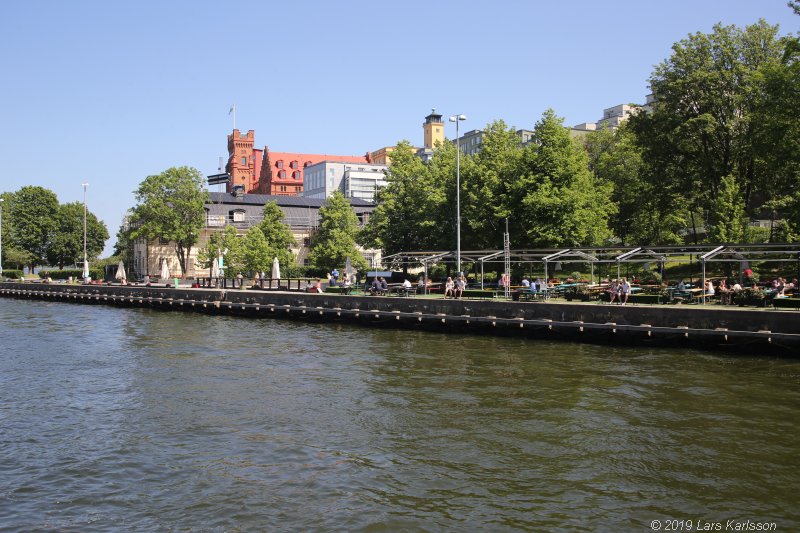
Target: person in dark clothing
(375,288)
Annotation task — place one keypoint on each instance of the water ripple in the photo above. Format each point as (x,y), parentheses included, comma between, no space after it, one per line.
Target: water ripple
(135,420)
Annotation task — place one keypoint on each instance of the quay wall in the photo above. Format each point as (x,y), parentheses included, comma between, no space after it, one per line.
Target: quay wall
(725,327)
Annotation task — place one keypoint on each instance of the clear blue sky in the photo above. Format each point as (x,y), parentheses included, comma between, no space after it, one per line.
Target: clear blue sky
(111,92)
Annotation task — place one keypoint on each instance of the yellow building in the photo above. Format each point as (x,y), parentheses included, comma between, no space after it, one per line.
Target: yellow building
(434,130)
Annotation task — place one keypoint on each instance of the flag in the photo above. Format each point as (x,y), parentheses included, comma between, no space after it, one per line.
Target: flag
(231,109)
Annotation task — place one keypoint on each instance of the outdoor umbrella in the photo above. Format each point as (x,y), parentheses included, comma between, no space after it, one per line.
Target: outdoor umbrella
(164,270)
(276,272)
(348,268)
(121,272)
(215,268)
(85,269)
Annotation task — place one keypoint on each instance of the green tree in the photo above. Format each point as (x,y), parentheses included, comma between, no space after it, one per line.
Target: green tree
(32,218)
(490,189)
(277,235)
(171,206)
(402,220)
(13,256)
(727,221)
(256,253)
(647,212)
(226,243)
(562,203)
(708,120)
(336,239)
(66,243)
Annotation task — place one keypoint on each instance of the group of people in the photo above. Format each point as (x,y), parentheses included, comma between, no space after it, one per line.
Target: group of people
(619,290)
(380,286)
(455,288)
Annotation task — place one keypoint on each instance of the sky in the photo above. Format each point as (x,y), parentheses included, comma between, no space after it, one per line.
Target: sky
(111,92)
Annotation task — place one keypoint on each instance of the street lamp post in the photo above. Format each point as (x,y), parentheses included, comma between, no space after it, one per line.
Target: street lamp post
(85,263)
(457,119)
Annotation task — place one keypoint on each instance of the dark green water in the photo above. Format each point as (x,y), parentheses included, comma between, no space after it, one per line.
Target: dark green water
(133,420)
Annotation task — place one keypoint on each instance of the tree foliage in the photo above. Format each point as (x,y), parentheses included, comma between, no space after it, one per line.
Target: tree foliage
(32,217)
(336,239)
(277,236)
(66,244)
(707,121)
(563,203)
(170,206)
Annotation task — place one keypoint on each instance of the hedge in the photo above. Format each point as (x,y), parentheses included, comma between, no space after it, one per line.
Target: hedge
(12,274)
(95,273)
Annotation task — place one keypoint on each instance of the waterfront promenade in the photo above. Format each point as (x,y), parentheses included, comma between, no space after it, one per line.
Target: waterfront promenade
(716,327)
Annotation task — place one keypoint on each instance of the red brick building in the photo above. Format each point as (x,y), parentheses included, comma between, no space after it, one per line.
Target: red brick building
(263,172)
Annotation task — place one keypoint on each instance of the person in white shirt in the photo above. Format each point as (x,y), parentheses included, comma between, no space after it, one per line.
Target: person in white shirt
(625,290)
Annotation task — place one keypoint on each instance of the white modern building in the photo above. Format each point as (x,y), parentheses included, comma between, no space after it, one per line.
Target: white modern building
(354,180)
(471,142)
(614,116)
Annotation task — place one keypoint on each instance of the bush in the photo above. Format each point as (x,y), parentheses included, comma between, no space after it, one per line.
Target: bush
(75,273)
(12,274)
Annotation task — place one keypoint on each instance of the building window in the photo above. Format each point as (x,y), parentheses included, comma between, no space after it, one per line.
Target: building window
(244,161)
(293,164)
(305,262)
(283,188)
(306,241)
(297,189)
(162,241)
(332,172)
(281,173)
(279,163)
(237,216)
(296,174)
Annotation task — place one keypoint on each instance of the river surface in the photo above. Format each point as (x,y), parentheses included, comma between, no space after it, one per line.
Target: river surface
(137,420)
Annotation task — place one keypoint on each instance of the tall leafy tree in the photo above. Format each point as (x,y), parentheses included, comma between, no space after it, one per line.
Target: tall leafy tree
(489,189)
(562,203)
(171,206)
(647,212)
(13,255)
(336,239)
(403,219)
(706,122)
(256,253)
(33,221)
(277,235)
(66,243)
(727,221)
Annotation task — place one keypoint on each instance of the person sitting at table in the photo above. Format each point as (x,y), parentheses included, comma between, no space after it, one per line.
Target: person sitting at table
(724,292)
(624,291)
(681,286)
(346,285)
(406,286)
(384,285)
(613,291)
(710,288)
(461,283)
(375,288)
(449,288)
(525,283)
(318,286)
